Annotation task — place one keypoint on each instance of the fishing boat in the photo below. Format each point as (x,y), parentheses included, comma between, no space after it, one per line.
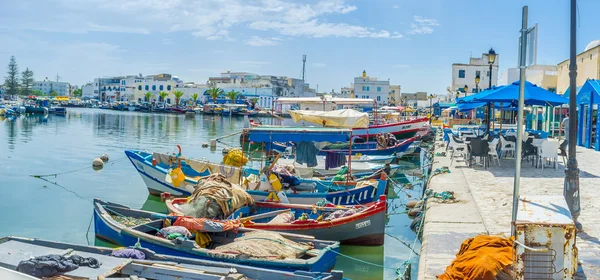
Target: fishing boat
(178,110)
(153,266)
(313,254)
(362,225)
(357,167)
(154,176)
(359,122)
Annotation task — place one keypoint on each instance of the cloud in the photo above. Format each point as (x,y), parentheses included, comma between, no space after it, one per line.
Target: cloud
(316,29)
(422,25)
(261,42)
(167,42)
(211,20)
(400,66)
(319,64)
(396,6)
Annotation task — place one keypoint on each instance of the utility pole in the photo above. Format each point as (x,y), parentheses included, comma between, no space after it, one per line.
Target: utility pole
(303,66)
(57,77)
(571,187)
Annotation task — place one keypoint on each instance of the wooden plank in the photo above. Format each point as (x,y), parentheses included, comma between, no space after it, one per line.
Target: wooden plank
(158,272)
(114,269)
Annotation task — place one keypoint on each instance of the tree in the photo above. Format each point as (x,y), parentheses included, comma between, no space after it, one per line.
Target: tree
(254,101)
(11,82)
(195,98)
(37,92)
(26,81)
(53,93)
(233,95)
(214,93)
(78,92)
(178,94)
(162,95)
(148,95)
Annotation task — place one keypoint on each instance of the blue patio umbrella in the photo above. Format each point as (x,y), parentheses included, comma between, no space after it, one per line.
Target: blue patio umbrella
(534,95)
(471,98)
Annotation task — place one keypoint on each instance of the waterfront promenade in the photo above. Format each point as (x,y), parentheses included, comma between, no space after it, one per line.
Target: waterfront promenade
(485,205)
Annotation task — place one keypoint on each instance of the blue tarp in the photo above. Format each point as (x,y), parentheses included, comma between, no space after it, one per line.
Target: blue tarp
(298,134)
(534,95)
(588,93)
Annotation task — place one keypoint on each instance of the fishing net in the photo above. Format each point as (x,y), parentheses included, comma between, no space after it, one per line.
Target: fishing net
(130,221)
(283,218)
(262,245)
(215,197)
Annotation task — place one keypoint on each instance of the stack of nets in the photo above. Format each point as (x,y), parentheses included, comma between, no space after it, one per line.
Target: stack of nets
(215,197)
(262,245)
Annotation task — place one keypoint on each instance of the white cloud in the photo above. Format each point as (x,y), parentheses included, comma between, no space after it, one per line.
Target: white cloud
(400,66)
(167,42)
(261,42)
(210,19)
(319,30)
(422,25)
(319,64)
(396,6)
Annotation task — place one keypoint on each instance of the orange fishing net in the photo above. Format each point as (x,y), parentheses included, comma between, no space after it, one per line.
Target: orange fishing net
(206,225)
(480,258)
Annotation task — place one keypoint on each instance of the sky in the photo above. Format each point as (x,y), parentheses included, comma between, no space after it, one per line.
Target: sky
(411,43)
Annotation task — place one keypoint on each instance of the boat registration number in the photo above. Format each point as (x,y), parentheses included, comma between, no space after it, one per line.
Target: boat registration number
(363,224)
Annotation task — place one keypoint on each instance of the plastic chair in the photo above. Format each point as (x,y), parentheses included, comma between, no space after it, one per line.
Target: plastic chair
(493,150)
(458,147)
(506,147)
(479,148)
(549,151)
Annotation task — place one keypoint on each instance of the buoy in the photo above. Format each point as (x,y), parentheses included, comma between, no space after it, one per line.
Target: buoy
(204,145)
(104,158)
(411,204)
(414,212)
(419,204)
(97,164)
(213,144)
(225,151)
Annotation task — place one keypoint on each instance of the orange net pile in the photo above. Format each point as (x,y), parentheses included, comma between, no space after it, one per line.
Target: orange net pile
(482,258)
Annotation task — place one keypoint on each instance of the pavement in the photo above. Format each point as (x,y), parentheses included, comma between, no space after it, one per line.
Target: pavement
(485,203)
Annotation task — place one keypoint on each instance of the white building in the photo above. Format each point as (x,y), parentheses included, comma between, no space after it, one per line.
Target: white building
(545,76)
(371,88)
(347,92)
(47,87)
(464,74)
(264,87)
(395,95)
(123,88)
(87,91)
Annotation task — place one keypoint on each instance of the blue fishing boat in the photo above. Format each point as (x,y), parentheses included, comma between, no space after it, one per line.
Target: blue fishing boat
(152,266)
(142,226)
(154,176)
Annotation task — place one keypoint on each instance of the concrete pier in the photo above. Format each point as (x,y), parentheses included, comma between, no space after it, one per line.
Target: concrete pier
(485,205)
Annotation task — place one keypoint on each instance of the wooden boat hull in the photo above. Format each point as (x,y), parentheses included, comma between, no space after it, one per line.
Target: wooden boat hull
(364,228)
(401,130)
(108,229)
(155,266)
(154,178)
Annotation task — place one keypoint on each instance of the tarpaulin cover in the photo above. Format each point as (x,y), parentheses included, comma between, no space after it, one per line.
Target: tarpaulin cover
(346,118)
(206,225)
(480,258)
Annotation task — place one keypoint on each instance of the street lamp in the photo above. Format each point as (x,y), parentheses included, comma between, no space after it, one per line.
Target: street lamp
(466,88)
(491,60)
(430,107)
(477,79)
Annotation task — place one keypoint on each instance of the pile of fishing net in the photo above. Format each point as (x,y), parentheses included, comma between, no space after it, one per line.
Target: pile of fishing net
(235,157)
(262,245)
(215,197)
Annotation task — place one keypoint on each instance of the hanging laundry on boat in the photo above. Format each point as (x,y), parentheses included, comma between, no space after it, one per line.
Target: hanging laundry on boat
(129,253)
(334,159)
(50,265)
(306,152)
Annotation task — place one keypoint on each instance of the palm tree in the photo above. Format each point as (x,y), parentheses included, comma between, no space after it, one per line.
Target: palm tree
(195,98)
(214,93)
(148,95)
(162,95)
(178,94)
(254,101)
(233,95)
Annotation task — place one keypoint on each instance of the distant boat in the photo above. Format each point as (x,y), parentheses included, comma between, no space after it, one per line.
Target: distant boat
(36,110)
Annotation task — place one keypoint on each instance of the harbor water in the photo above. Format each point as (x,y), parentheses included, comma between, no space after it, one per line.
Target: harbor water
(59,207)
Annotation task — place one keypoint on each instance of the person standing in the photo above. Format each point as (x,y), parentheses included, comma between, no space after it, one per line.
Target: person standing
(564,126)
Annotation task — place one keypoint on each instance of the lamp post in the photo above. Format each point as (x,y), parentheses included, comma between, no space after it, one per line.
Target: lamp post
(466,88)
(491,60)
(430,107)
